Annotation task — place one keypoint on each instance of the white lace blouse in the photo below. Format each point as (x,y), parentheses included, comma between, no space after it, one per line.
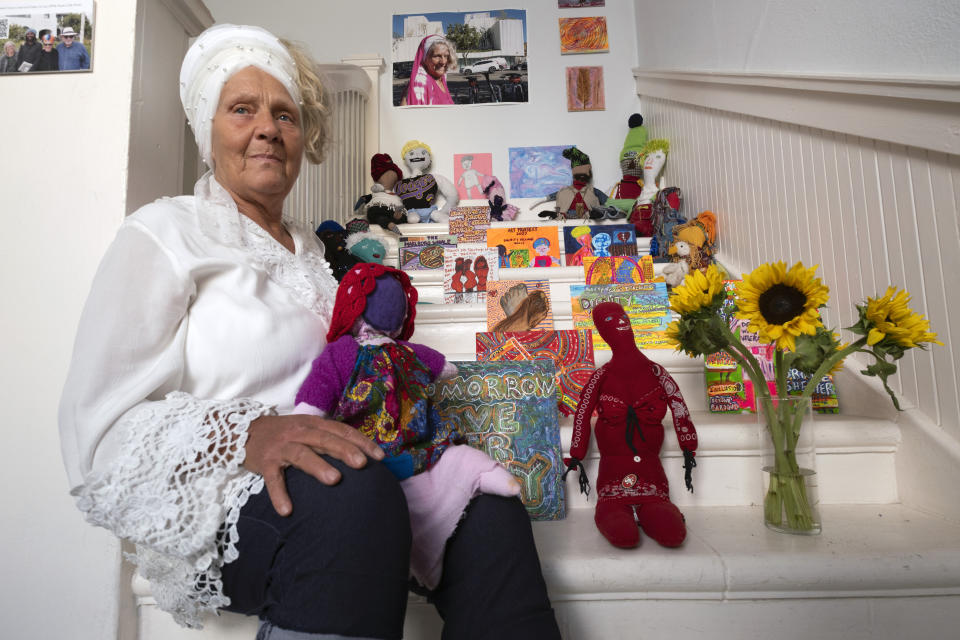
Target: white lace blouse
(197,323)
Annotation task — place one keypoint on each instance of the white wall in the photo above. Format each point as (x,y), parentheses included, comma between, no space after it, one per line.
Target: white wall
(335,30)
(64,184)
(864,37)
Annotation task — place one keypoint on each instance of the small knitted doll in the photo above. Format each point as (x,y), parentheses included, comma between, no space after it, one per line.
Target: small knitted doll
(631,394)
(631,160)
(382,206)
(423,191)
(370,377)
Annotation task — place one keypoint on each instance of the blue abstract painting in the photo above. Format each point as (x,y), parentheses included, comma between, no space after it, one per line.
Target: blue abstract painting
(538,171)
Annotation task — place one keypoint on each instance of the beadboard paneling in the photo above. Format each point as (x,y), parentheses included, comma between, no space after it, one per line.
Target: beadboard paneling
(869,212)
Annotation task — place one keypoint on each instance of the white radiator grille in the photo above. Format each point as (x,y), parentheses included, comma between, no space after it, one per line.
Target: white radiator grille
(328,191)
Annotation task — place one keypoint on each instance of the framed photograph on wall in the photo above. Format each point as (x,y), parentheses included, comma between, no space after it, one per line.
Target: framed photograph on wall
(46,37)
(455,58)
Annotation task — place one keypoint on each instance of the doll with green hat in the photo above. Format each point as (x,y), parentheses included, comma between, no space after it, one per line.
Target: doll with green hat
(628,188)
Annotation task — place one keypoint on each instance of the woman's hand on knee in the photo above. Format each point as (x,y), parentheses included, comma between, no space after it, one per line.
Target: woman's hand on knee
(277,442)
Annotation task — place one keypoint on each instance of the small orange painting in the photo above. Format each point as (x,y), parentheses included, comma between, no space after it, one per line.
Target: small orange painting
(583,35)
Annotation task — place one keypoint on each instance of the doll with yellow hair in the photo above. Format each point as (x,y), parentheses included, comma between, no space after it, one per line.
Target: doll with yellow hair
(423,192)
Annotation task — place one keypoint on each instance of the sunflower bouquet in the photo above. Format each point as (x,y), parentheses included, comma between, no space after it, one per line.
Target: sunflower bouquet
(782,306)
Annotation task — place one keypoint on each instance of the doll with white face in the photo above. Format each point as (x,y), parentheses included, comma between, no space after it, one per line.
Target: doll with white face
(654,159)
(426,196)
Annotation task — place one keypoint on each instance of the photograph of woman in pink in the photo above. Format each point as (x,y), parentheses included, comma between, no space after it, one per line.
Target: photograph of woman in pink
(428,78)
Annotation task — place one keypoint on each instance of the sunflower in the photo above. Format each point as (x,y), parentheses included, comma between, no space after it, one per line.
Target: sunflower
(781,305)
(698,291)
(891,317)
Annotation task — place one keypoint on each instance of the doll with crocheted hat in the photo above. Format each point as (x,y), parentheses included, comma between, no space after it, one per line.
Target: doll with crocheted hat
(631,394)
(627,190)
(423,191)
(580,200)
(370,377)
(382,206)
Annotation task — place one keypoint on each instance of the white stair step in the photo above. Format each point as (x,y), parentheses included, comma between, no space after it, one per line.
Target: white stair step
(855,461)
(885,572)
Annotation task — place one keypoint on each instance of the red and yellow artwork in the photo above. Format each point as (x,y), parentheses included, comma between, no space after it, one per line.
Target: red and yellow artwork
(583,35)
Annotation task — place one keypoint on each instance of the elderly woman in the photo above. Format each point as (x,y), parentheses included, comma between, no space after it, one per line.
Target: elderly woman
(428,80)
(202,322)
(8,61)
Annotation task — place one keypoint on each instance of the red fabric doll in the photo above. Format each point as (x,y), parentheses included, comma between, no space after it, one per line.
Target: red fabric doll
(631,394)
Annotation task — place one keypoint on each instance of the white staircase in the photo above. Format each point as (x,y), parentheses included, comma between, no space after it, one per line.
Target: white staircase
(879,570)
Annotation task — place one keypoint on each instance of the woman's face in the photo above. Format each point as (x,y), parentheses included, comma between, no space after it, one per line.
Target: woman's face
(436,60)
(9,50)
(256,144)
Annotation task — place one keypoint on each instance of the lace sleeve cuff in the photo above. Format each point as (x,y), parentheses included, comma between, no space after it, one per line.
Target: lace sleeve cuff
(175,489)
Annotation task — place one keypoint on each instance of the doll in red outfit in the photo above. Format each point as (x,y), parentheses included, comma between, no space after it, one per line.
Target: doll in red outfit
(631,394)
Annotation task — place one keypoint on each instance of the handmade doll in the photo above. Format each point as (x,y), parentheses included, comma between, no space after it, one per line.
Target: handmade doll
(631,394)
(580,200)
(627,190)
(370,377)
(422,191)
(382,206)
(692,248)
(496,197)
(366,246)
(334,239)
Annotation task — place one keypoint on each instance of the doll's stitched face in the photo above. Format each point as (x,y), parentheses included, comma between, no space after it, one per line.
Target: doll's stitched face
(368,250)
(654,162)
(631,163)
(386,306)
(389,179)
(612,323)
(418,159)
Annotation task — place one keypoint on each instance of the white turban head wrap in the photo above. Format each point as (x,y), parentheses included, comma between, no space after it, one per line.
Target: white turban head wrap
(217,54)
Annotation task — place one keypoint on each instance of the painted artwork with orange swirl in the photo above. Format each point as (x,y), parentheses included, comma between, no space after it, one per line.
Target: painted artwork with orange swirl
(583,35)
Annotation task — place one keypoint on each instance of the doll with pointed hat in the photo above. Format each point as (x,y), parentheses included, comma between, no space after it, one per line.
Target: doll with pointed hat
(631,394)
(627,190)
(369,376)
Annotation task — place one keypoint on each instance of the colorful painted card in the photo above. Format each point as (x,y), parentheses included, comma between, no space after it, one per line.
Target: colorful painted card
(647,305)
(600,240)
(470,224)
(583,35)
(617,269)
(538,171)
(571,350)
(585,89)
(518,305)
(424,252)
(509,410)
(519,247)
(469,171)
(467,269)
(730,390)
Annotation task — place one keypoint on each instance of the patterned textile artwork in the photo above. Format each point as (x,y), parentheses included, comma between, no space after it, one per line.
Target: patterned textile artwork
(509,410)
(570,349)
